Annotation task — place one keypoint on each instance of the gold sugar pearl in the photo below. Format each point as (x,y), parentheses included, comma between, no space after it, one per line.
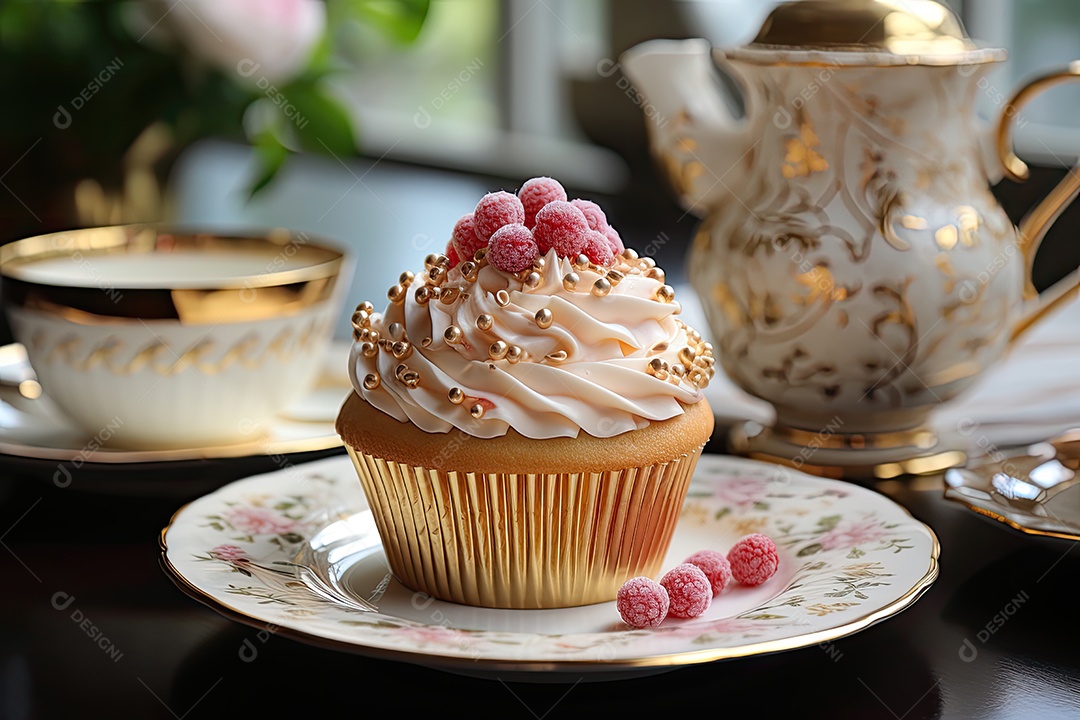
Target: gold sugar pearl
(656,366)
(453,335)
(406,278)
(695,336)
(372,336)
(498,350)
(570,281)
(514,354)
(556,357)
(384,344)
(410,379)
(426,342)
(601,287)
(615,277)
(369,349)
(456,395)
(662,375)
(687,355)
(400,370)
(581,262)
(484,322)
(706,349)
(397,331)
(480,255)
(401,349)
(436,275)
(371,381)
(448,295)
(677,370)
(630,254)
(430,261)
(477,411)
(423,295)
(361,318)
(696,376)
(539,262)
(469,270)
(656,274)
(544,318)
(705,361)
(646,263)
(665,293)
(366,307)
(502,298)
(532,280)
(442,261)
(436,292)
(396,294)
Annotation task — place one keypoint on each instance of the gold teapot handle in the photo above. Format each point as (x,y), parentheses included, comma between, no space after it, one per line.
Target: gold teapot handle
(1034,227)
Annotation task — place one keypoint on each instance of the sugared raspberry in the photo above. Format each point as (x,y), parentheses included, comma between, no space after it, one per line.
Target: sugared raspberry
(512,248)
(593,214)
(562,226)
(537,193)
(465,238)
(753,559)
(452,254)
(617,246)
(642,602)
(715,566)
(689,591)
(496,210)
(598,249)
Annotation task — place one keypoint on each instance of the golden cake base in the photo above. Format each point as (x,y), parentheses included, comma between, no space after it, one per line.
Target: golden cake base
(506,540)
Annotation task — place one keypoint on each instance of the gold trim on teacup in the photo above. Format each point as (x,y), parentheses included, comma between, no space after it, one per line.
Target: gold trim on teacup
(275,292)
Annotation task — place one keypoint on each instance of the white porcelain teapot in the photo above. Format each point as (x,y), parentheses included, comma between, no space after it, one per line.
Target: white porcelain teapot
(854,266)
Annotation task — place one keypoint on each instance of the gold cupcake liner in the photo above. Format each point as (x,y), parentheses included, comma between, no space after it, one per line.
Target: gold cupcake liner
(508,540)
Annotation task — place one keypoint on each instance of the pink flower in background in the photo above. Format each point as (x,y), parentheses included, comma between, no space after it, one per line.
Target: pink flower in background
(229,553)
(740,492)
(269,39)
(850,534)
(258,521)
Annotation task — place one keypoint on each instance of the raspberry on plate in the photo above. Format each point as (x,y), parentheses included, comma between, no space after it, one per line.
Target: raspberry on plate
(715,566)
(562,226)
(465,238)
(593,214)
(512,248)
(537,193)
(496,210)
(753,559)
(689,591)
(642,602)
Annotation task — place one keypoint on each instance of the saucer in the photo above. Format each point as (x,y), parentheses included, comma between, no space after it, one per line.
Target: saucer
(35,428)
(295,552)
(1032,489)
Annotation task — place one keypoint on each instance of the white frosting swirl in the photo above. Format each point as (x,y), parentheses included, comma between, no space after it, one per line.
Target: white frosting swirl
(602,387)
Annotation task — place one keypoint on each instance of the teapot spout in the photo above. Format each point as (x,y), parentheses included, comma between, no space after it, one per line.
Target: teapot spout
(692,130)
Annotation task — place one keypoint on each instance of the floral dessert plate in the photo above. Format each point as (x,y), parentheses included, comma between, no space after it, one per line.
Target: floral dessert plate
(296,552)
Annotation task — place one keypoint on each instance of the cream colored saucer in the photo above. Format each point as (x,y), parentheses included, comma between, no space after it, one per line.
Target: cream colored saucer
(34,427)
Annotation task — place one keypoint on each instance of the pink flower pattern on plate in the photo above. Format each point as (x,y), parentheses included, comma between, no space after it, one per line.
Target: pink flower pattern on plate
(229,553)
(258,521)
(849,534)
(740,492)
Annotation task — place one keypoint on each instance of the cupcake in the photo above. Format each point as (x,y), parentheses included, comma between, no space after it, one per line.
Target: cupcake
(528,409)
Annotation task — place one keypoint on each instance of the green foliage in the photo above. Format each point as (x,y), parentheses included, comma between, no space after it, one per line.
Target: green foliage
(56,57)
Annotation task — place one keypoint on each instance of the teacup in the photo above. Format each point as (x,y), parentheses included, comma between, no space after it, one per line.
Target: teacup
(164,338)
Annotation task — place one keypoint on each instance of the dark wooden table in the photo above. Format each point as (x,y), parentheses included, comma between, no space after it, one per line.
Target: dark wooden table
(92,627)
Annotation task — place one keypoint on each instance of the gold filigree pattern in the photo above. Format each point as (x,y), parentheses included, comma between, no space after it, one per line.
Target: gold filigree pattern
(115,355)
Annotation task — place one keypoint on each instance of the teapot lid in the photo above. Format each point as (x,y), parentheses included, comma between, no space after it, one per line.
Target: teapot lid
(904,28)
